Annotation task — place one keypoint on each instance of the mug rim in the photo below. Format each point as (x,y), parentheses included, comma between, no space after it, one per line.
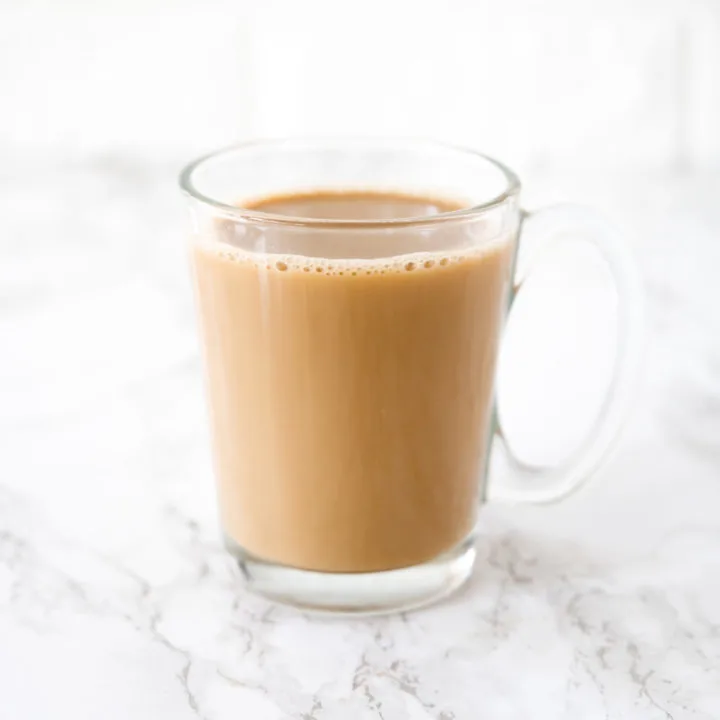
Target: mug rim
(188,187)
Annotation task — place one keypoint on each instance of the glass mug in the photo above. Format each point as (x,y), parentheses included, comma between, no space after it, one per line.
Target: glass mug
(350,364)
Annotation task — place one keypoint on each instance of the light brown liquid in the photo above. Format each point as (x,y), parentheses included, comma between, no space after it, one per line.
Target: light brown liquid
(351,399)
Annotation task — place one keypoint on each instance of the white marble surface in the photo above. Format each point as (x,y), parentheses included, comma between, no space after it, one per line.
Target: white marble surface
(116,600)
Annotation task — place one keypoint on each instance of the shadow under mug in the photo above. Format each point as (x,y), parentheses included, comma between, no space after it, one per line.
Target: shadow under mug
(350,364)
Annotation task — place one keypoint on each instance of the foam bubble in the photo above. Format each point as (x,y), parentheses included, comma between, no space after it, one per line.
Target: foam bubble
(412,262)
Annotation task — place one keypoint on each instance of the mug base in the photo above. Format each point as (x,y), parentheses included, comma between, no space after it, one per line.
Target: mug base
(373,593)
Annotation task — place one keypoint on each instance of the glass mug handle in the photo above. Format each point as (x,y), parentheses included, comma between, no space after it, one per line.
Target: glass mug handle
(539,231)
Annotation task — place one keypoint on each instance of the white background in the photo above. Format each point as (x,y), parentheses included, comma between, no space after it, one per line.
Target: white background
(581,83)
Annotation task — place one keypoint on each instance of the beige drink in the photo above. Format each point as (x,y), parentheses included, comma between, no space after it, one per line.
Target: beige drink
(351,399)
